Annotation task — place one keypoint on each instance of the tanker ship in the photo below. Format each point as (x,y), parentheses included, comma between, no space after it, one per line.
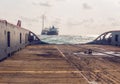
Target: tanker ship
(50,31)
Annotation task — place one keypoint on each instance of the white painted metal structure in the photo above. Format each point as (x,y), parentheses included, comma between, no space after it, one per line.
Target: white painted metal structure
(14,38)
(108,38)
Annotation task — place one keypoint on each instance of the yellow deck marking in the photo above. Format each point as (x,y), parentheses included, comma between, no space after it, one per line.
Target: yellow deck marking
(39,72)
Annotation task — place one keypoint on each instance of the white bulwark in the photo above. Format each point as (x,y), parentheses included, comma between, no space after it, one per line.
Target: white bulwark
(13,38)
(108,38)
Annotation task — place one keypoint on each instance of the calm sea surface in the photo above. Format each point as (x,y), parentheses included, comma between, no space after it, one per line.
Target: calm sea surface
(66,39)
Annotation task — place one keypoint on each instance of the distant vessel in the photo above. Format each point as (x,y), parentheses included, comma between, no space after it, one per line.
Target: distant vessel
(50,31)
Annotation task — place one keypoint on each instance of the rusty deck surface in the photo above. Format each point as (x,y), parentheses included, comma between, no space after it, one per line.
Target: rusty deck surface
(61,64)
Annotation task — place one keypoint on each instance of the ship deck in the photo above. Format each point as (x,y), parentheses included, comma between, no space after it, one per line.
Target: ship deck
(62,64)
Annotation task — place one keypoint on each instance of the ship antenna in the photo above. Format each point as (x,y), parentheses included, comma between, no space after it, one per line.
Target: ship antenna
(43,19)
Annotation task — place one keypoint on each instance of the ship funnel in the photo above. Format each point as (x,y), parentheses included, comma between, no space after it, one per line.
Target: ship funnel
(19,23)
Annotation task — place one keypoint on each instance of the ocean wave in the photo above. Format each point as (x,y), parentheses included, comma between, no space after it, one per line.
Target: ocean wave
(66,39)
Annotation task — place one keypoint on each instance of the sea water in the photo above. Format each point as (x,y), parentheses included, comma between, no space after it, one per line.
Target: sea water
(66,39)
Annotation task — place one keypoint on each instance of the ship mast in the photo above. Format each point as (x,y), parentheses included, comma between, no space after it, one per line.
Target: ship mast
(43,19)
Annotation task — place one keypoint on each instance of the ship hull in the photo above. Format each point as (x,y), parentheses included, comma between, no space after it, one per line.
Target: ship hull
(52,33)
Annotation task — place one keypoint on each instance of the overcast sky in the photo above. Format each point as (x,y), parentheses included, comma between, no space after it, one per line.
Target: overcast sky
(72,17)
